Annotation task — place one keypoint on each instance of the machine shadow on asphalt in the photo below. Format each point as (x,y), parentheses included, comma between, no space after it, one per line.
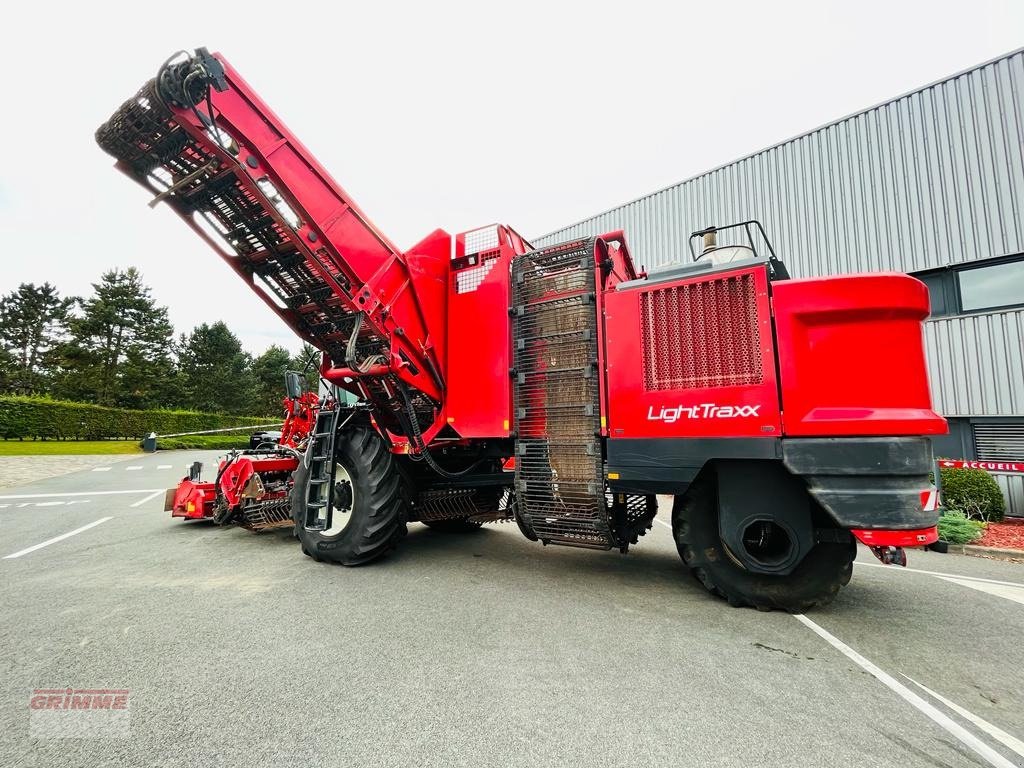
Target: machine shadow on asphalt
(649,564)
(644,567)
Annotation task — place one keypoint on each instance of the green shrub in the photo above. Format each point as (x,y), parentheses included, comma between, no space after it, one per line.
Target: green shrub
(35,418)
(956,528)
(203,442)
(974,492)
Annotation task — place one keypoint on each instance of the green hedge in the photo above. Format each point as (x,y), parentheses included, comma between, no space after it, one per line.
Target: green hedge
(974,492)
(203,442)
(35,418)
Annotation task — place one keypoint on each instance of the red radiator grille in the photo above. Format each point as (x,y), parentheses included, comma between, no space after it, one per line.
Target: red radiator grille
(701,335)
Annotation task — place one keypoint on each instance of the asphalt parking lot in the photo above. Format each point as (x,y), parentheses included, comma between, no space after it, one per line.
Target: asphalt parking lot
(478,649)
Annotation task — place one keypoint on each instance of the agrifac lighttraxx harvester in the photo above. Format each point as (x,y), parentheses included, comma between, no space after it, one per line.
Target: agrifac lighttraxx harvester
(787,417)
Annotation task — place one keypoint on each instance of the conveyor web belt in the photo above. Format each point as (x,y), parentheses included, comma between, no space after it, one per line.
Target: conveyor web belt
(144,135)
(559,467)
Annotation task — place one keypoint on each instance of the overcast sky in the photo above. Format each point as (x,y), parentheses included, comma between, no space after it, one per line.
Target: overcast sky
(441,115)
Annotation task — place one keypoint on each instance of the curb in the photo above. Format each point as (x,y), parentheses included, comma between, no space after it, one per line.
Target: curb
(995,552)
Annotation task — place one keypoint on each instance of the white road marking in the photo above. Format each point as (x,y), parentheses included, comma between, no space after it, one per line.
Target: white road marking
(165,466)
(994,731)
(132,469)
(101,469)
(927,709)
(55,539)
(667,525)
(140,502)
(999,590)
(75,493)
(933,573)
(49,503)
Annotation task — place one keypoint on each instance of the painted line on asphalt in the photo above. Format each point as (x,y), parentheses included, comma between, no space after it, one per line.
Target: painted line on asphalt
(164,466)
(940,574)
(132,469)
(101,469)
(55,539)
(49,503)
(939,718)
(1016,594)
(997,733)
(140,502)
(667,525)
(75,493)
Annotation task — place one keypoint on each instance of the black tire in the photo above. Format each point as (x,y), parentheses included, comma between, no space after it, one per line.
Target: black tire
(814,582)
(524,527)
(378,514)
(453,526)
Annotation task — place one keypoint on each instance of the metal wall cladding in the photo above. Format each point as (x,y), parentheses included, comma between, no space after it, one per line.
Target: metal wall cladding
(976,363)
(930,178)
(1013,492)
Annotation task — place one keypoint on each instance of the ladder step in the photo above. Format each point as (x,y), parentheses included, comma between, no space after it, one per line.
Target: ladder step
(316,504)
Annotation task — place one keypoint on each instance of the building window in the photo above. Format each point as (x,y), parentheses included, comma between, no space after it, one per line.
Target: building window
(992,286)
(940,296)
(979,286)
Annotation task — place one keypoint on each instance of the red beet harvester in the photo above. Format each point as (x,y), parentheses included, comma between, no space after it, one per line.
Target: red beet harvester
(787,417)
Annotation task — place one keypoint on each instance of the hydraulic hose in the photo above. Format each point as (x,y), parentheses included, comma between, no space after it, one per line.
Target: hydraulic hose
(416,436)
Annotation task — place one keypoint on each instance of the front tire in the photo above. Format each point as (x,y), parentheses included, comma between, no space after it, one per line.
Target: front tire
(370,515)
(814,582)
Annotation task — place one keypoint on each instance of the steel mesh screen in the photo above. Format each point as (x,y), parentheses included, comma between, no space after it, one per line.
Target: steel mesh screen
(700,335)
(559,477)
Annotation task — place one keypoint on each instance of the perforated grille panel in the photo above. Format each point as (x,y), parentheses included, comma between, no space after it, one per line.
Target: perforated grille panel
(701,335)
(468,280)
(483,239)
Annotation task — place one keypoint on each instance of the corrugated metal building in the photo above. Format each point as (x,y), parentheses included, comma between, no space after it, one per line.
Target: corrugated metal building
(931,183)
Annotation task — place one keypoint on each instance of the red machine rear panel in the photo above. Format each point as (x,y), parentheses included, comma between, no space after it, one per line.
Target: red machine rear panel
(851,356)
(692,358)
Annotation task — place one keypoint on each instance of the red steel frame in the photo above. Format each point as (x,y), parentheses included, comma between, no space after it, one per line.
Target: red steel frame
(435,331)
(333,235)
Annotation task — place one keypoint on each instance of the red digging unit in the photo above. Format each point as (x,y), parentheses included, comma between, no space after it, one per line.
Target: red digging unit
(784,416)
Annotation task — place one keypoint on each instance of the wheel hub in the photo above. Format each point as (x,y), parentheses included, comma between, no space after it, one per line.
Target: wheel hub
(342,501)
(342,496)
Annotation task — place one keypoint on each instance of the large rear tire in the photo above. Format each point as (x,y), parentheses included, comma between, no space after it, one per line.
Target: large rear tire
(369,519)
(814,582)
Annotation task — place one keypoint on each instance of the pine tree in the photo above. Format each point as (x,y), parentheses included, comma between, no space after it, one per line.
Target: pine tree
(215,371)
(268,371)
(33,322)
(120,351)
